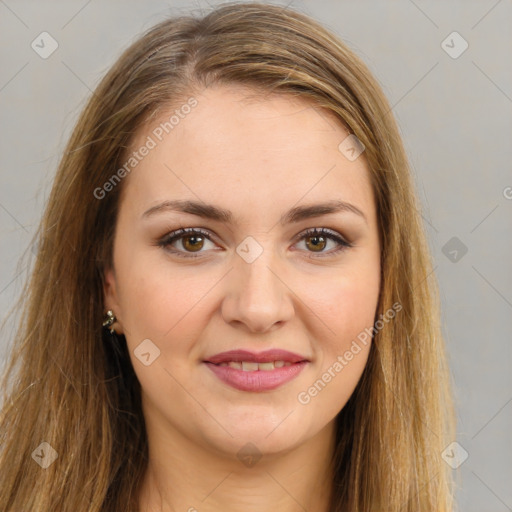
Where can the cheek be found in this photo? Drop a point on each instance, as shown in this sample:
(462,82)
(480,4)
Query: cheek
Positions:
(346,309)
(163,303)
(345,304)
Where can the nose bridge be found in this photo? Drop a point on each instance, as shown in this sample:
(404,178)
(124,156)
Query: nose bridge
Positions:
(258,279)
(257,298)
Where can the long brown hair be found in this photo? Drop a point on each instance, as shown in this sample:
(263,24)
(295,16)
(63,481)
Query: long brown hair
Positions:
(65,386)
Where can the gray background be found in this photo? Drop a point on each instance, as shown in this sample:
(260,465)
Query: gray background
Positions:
(455,117)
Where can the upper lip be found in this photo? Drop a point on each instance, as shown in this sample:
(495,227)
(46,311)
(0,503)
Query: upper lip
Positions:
(259,357)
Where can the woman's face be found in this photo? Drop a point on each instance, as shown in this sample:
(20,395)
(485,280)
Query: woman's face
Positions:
(249,173)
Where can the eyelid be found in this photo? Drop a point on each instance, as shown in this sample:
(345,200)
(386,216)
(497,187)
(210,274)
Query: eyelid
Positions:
(322,231)
(177,234)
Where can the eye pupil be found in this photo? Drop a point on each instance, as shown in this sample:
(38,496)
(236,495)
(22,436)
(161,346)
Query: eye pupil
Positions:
(317,245)
(195,239)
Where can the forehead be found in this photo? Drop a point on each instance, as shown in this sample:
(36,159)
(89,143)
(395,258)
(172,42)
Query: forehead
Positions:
(243,148)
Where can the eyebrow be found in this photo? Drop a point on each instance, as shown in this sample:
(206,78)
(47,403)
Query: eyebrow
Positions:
(294,215)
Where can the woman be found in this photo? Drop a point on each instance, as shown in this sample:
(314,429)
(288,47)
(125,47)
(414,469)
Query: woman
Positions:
(232,306)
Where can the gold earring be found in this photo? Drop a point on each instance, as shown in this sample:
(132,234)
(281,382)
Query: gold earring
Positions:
(110,318)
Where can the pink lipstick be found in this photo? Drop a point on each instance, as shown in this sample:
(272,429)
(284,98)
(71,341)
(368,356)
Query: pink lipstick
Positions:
(250,371)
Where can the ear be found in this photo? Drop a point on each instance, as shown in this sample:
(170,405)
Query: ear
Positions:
(110,296)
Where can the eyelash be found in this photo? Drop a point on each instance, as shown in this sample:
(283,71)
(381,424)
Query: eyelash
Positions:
(169,238)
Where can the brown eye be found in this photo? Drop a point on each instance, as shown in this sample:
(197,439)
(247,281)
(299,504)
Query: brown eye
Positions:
(316,243)
(188,242)
(193,242)
(317,240)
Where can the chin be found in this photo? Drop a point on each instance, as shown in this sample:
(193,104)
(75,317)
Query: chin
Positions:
(269,432)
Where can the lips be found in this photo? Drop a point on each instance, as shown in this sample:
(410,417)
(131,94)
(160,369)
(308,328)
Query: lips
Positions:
(252,366)
(268,356)
(256,372)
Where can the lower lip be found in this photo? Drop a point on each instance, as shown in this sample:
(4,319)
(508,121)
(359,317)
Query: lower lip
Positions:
(259,380)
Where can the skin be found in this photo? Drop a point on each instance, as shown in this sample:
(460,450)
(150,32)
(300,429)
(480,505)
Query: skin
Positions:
(257,158)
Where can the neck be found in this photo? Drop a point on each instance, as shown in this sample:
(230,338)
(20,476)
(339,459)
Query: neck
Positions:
(184,476)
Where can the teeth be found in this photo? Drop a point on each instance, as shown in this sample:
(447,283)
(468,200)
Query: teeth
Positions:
(249,366)
(252,366)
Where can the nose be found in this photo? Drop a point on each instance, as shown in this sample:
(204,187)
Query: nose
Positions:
(258,297)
